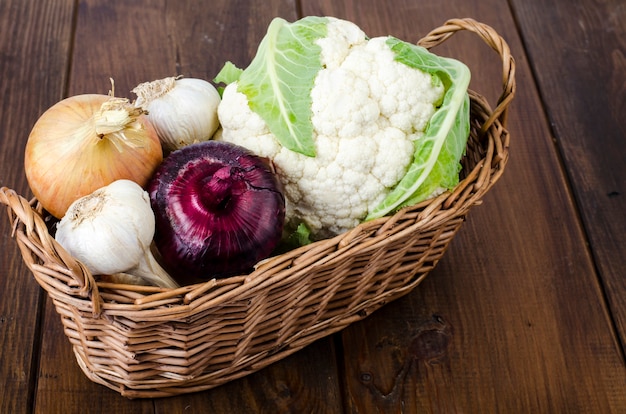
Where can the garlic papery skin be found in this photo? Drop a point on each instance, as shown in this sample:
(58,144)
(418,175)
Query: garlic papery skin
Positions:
(182,110)
(110,231)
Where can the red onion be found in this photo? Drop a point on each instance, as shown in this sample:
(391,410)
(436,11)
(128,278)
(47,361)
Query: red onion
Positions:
(219,210)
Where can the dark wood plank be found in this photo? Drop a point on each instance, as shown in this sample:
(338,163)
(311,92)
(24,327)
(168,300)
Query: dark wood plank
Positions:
(581,74)
(125,41)
(513,319)
(34,40)
(192,41)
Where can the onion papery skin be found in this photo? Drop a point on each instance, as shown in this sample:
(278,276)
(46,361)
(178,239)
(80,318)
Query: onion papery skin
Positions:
(66,159)
(219,210)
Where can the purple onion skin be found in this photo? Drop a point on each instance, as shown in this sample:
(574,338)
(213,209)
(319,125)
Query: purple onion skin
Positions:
(219,210)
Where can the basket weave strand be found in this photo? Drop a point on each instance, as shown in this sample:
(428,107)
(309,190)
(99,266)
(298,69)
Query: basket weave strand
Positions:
(153,342)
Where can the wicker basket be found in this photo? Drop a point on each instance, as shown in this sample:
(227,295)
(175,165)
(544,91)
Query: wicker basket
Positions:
(152,342)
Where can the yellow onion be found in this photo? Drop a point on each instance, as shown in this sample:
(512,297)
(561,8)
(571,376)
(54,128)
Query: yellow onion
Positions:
(86,142)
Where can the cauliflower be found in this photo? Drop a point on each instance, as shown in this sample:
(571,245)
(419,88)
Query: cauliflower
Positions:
(364,111)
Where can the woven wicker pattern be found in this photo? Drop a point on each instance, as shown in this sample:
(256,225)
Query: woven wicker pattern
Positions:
(150,342)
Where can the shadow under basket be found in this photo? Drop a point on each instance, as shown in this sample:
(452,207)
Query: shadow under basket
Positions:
(154,342)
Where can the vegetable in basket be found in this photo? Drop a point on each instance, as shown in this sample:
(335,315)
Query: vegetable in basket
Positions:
(85,142)
(219,210)
(110,231)
(356,127)
(182,110)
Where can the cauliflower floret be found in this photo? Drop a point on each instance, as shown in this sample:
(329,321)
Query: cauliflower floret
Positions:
(341,36)
(366,109)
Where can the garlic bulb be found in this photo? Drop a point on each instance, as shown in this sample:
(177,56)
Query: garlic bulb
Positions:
(110,231)
(182,110)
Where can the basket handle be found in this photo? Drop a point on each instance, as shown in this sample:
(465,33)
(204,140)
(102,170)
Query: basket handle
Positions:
(497,43)
(36,242)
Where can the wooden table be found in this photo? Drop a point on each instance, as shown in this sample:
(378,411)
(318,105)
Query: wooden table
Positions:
(531,293)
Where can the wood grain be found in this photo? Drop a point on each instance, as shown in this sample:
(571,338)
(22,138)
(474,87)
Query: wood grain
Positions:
(34,43)
(581,74)
(514,319)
